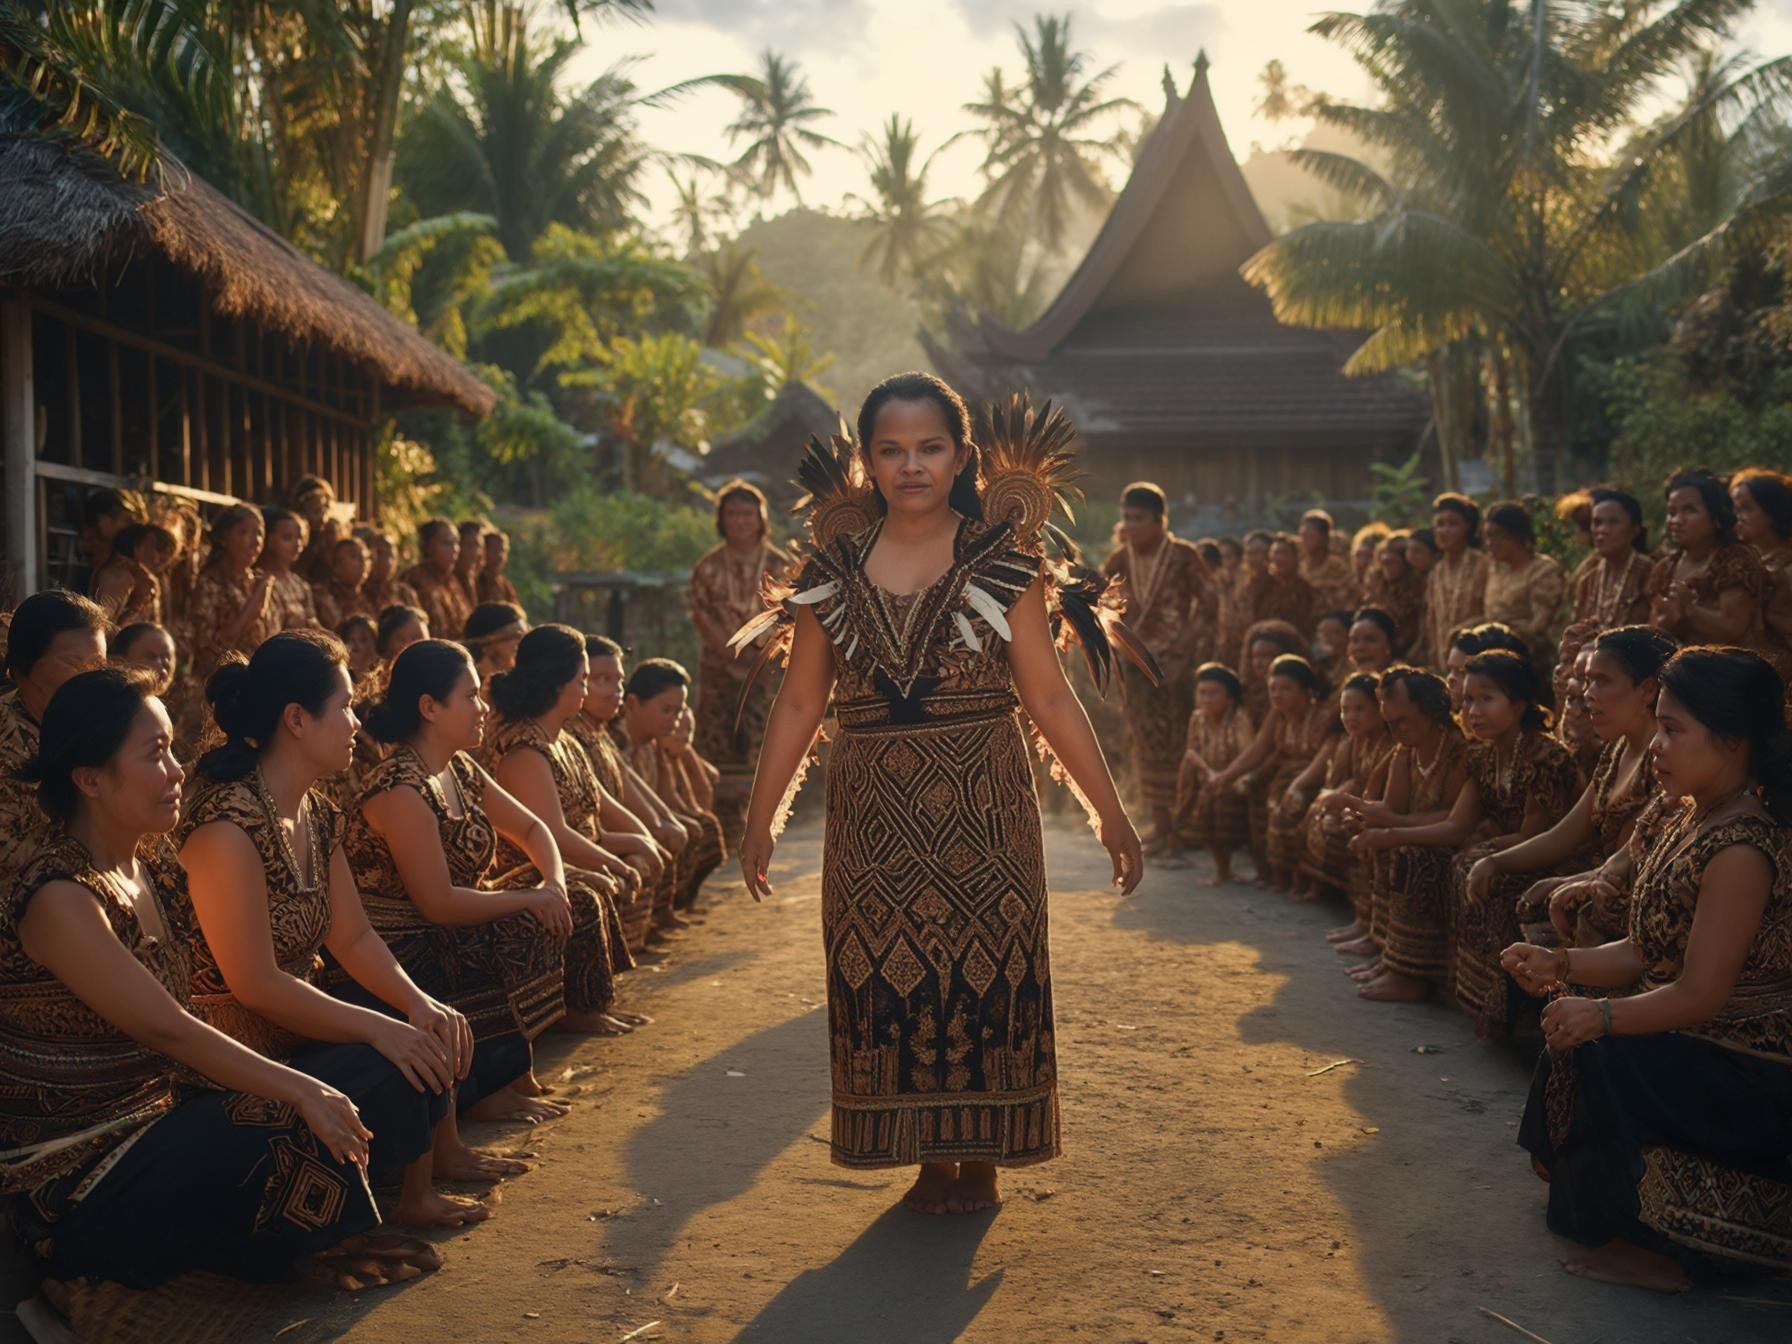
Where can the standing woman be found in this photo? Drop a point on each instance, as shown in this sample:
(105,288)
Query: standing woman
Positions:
(232,609)
(531,755)
(1524,590)
(292,604)
(1708,586)
(1395,587)
(128,587)
(1662,1116)
(725,593)
(1456,585)
(1611,586)
(927,626)
(422,843)
(272,890)
(1763,500)
(108,1174)
(1621,684)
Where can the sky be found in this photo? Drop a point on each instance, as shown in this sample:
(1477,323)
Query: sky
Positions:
(925,58)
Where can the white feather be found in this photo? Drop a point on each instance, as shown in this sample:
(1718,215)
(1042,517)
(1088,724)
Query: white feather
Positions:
(819,594)
(990,610)
(851,649)
(754,628)
(964,629)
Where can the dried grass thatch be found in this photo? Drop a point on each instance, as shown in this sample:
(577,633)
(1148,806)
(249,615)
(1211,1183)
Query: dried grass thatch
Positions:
(66,217)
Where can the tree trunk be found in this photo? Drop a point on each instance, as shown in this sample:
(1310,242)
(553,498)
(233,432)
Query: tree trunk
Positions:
(374,197)
(1500,418)
(1548,425)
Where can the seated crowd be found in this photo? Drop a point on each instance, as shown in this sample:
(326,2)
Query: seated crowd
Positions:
(1558,801)
(299,858)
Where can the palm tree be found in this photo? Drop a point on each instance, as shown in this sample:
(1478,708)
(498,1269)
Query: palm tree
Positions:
(696,210)
(1043,151)
(906,229)
(990,269)
(1498,229)
(739,292)
(776,112)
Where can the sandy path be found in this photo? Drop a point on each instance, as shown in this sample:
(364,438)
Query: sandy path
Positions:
(1213,1187)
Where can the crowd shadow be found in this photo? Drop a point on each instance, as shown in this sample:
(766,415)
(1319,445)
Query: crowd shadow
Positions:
(906,1276)
(1407,1062)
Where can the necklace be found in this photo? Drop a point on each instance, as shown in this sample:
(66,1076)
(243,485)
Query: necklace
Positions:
(1422,773)
(1691,825)
(308,875)
(1143,572)
(1607,615)
(1452,579)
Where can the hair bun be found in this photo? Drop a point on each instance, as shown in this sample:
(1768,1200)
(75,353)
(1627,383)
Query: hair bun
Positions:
(224,691)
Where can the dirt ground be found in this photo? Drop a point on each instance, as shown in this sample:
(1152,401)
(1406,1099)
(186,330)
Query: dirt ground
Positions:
(1219,1182)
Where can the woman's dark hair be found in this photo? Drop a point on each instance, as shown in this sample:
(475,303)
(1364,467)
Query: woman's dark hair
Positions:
(308,484)
(356,543)
(1452,502)
(1608,494)
(1715,492)
(1319,518)
(1362,682)
(133,535)
(272,515)
(102,504)
(1428,691)
(1233,545)
(119,646)
(1424,536)
(1343,618)
(736,491)
(1296,668)
(602,646)
(654,676)
(294,667)
(393,619)
(1466,639)
(1221,675)
(547,658)
(1772,492)
(1210,552)
(1380,620)
(431,667)
(225,521)
(1517,678)
(490,617)
(39,619)
(85,724)
(1738,696)
(356,621)
(1261,534)
(1489,636)
(1513,519)
(429,528)
(1641,650)
(1146,495)
(925,387)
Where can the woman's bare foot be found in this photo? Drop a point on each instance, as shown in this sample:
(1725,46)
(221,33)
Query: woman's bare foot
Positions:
(530,1086)
(506,1104)
(1349,933)
(1217,880)
(975,1189)
(1356,947)
(591,1024)
(1389,987)
(372,1260)
(932,1187)
(1366,970)
(461,1163)
(633,1019)
(1620,1261)
(431,1208)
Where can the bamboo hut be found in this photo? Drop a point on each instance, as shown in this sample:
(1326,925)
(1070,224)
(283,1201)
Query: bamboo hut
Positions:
(160,338)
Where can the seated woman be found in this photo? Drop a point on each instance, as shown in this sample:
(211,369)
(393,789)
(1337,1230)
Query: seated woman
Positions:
(128,587)
(1520,781)
(109,1173)
(1298,728)
(1763,502)
(1219,732)
(1707,587)
(360,635)
(655,731)
(532,757)
(1611,585)
(272,890)
(1662,1119)
(1524,589)
(421,843)
(627,804)
(1372,640)
(1409,882)
(493,632)
(1331,635)
(150,647)
(1620,698)
(1395,586)
(1356,767)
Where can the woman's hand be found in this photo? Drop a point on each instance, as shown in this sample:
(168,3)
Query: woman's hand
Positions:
(755,858)
(552,910)
(419,1055)
(1369,841)
(1480,880)
(1570,1021)
(333,1118)
(1536,969)
(1122,844)
(448,1027)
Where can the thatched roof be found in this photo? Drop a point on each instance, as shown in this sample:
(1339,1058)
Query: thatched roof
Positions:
(67,218)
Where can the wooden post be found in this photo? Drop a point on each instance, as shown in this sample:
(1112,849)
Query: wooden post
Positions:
(18,436)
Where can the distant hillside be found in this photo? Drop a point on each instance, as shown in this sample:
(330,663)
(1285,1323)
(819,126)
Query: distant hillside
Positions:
(1288,194)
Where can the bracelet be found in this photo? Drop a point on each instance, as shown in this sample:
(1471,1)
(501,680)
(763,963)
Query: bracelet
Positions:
(1605,1016)
(1567,967)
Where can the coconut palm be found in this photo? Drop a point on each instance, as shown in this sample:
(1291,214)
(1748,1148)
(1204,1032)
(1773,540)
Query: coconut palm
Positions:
(739,292)
(1045,139)
(775,121)
(907,231)
(1499,226)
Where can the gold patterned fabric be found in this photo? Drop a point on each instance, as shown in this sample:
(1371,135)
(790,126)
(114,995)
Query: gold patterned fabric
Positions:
(725,593)
(72,1085)
(391,593)
(1404,600)
(1280,832)
(598,949)
(1327,858)
(1619,798)
(1454,592)
(1410,884)
(1611,598)
(933,874)
(607,765)
(1216,818)
(127,592)
(443,601)
(1280,597)
(291,603)
(1732,566)
(496,588)
(219,596)
(707,846)
(506,974)
(1528,598)
(1333,581)
(1542,774)
(335,602)
(1776,610)
(298,911)
(24,828)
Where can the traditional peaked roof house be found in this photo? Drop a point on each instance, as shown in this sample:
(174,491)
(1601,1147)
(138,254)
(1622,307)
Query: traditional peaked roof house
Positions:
(1173,367)
(766,450)
(162,338)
